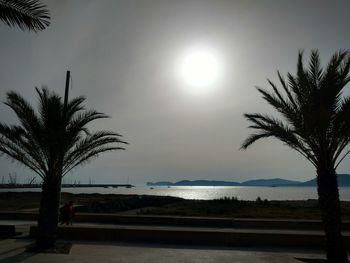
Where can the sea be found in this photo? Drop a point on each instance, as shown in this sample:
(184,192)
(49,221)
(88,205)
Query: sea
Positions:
(206,192)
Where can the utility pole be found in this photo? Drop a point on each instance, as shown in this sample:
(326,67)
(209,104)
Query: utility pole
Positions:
(65,103)
(66,91)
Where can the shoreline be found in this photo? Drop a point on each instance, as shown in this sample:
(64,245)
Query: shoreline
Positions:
(172,206)
(247,193)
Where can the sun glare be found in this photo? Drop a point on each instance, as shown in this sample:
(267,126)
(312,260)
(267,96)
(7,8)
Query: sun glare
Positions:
(200,69)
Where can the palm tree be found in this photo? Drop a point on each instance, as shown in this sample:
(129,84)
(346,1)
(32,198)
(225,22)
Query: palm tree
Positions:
(316,123)
(26,14)
(51,142)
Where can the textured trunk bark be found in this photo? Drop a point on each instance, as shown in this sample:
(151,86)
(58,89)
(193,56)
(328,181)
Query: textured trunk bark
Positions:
(49,211)
(328,198)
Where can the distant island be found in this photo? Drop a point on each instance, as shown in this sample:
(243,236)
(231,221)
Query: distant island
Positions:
(343,180)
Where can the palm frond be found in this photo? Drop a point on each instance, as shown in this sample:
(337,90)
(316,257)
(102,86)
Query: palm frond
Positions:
(29,120)
(82,119)
(271,127)
(89,147)
(74,106)
(315,70)
(78,123)
(253,138)
(14,144)
(283,105)
(341,129)
(303,78)
(288,91)
(26,14)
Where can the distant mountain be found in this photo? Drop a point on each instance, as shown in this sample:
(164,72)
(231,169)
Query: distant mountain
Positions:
(205,183)
(343,180)
(194,183)
(162,183)
(270,182)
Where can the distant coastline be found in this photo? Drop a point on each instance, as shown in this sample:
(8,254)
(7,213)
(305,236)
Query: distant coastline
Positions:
(12,186)
(343,180)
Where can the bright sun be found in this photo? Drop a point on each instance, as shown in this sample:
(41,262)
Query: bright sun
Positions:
(200,68)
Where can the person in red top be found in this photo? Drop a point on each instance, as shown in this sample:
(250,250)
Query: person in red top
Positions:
(67,213)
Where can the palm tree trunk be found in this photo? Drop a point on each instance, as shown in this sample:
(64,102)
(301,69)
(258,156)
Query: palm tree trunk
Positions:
(328,198)
(49,211)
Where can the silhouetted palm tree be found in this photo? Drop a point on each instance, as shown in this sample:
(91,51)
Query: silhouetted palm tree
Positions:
(26,14)
(316,123)
(51,142)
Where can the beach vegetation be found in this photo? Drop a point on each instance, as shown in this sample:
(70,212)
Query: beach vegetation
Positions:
(267,209)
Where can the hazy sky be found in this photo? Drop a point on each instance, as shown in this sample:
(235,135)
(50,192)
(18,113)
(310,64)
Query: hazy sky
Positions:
(123,57)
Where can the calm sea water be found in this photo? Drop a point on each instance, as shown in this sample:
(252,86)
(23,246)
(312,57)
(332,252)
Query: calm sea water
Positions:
(209,192)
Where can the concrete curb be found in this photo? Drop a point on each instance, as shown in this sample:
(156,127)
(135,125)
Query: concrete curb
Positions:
(195,236)
(183,221)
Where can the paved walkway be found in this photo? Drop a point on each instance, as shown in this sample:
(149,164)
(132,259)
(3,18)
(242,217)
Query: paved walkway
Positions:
(19,223)
(12,250)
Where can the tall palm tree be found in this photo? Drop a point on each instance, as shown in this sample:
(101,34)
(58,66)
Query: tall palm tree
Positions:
(51,142)
(26,14)
(316,123)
